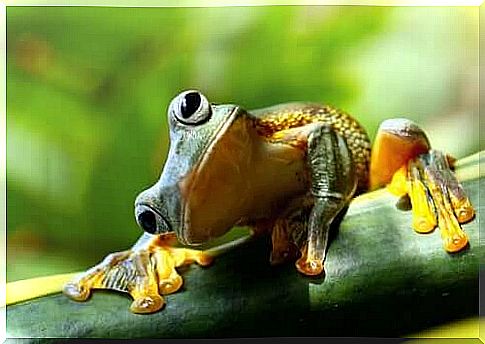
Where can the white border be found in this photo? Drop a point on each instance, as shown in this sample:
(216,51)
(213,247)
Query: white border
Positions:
(3,176)
(140,3)
(227,3)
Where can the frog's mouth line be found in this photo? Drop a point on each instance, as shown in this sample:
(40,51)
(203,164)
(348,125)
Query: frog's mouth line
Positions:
(203,159)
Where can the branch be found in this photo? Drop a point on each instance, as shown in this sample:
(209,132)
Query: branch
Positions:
(383,279)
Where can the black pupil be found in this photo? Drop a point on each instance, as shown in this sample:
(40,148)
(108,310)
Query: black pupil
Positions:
(190,104)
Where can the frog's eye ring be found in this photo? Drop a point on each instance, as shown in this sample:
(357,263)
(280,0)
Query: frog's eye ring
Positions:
(191,108)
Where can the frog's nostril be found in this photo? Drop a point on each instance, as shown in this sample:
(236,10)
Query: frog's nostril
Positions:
(148,221)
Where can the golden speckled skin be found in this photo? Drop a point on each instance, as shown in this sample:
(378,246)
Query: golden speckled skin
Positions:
(275,123)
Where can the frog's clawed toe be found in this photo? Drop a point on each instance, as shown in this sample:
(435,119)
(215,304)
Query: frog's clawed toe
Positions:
(146,274)
(76,292)
(147,304)
(437,198)
(309,267)
(170,286)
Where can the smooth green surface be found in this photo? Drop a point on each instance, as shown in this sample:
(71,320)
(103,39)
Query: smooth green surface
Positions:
(382,280)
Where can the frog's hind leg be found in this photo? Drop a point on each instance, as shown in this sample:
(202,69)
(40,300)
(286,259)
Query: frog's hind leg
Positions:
(333,183)
(402,158)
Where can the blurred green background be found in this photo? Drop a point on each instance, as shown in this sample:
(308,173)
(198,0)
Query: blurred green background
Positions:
(88,88)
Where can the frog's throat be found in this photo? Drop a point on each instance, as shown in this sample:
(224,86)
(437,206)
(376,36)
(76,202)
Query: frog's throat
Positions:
(223,127)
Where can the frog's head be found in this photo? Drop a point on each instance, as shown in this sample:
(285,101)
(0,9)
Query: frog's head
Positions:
(200,193)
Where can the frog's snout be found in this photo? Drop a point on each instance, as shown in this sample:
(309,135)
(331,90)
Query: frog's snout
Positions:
(150,220)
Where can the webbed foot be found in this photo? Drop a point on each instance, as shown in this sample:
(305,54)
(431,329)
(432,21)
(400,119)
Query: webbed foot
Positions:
(146,272)
(437,198)
(403,160)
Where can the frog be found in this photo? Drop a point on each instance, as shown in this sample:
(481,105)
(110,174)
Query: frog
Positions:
(287,171)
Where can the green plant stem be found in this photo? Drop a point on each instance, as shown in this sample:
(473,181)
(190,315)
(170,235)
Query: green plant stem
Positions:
(382,279)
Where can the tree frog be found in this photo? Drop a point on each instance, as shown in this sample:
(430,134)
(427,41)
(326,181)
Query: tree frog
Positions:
(286,170)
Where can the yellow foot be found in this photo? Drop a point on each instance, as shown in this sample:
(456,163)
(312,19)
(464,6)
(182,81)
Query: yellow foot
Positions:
(146,272)
(437,198)
(308,266)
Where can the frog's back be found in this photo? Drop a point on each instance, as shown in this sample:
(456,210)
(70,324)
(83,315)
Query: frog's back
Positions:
(276,119)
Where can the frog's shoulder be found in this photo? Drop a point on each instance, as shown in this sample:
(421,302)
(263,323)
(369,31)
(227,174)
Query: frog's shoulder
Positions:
(287,108)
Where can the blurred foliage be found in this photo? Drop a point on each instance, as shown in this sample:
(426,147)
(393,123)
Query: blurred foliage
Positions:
(88,88)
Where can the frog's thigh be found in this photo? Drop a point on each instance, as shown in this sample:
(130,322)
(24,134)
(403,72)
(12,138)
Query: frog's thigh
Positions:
(402,156)
(332,184)
(397,141)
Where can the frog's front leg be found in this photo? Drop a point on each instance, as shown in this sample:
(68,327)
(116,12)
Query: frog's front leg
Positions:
(146,271)
(333,183)
(402,158)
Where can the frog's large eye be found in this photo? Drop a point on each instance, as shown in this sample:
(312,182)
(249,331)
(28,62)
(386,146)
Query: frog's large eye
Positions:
(191,108)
